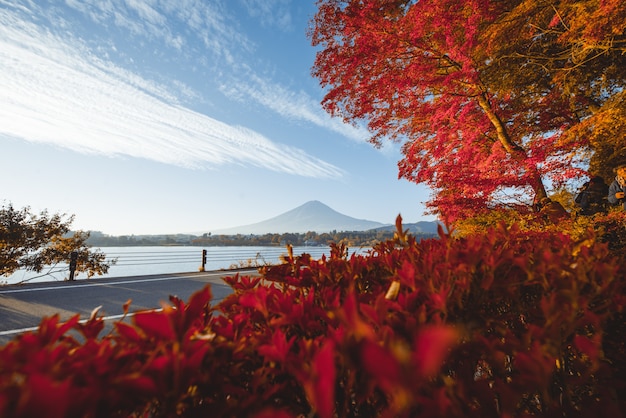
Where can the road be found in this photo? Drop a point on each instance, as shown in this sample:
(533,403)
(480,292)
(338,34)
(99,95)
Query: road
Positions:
(23,306)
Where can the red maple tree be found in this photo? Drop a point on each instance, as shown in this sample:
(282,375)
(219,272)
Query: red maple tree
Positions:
(479,122)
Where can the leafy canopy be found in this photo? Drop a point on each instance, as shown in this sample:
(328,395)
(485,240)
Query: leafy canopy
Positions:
(485,96)
(33,242)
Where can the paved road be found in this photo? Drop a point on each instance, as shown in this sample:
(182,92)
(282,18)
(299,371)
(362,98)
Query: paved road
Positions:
(23,306)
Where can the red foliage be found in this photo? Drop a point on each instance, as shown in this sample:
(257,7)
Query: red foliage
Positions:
(505,323)
(476,113)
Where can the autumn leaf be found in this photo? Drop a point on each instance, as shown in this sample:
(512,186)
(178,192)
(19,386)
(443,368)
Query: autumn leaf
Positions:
(350,314)
(278,348)
(321,387)
(197,303)
(91,328)
(407,274)
(380,363)
(392,292)
(432,347)
(44,397)
(155,324)
(128,332)
(255,299)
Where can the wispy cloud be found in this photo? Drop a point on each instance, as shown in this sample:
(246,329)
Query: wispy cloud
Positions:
(176,23)
(53,90)
(217,31)
(271,13)
(295,105)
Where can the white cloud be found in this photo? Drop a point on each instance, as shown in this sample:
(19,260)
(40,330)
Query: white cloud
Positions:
(270,12)
(206,21)
(287,103)
(53,91)
(146,12)
(226,53)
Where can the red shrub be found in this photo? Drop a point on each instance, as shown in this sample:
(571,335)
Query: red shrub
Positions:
(504,323)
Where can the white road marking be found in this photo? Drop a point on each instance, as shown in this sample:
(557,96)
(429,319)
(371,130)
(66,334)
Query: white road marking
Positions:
(82,321)
(110,317)
(36,289)
(17,331)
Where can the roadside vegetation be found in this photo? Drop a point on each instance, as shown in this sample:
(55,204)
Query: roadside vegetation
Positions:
(41,242)
(505,322)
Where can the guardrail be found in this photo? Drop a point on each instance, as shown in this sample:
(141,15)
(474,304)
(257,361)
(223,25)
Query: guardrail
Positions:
(133,261)
(148,260)
(204,256)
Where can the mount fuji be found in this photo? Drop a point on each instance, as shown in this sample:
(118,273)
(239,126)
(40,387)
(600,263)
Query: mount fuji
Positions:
(312,216)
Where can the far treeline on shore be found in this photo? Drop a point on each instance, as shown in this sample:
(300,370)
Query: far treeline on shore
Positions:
(350,238)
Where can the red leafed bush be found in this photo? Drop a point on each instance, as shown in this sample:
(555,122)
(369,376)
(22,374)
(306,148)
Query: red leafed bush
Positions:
(505,323)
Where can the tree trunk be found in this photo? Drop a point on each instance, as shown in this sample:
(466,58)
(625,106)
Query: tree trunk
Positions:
(511,147)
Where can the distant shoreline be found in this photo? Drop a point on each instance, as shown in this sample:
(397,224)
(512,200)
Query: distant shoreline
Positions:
(311,239)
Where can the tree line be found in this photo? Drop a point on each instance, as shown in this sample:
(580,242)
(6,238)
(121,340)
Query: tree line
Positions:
(311,238)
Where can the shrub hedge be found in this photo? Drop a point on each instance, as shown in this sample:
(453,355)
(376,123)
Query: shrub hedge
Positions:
(501,323)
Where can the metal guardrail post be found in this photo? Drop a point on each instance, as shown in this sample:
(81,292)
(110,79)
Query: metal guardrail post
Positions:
(73,260)
(203,261)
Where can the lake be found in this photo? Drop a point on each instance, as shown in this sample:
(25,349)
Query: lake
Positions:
(134,261)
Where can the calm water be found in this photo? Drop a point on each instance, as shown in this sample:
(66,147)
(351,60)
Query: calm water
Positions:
(157,260)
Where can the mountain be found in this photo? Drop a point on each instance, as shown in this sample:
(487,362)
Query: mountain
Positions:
(311,216)
(421,227)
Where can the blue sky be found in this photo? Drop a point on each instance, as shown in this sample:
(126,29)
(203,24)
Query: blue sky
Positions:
(168,116)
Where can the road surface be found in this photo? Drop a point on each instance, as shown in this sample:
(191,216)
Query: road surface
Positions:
(23,306)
